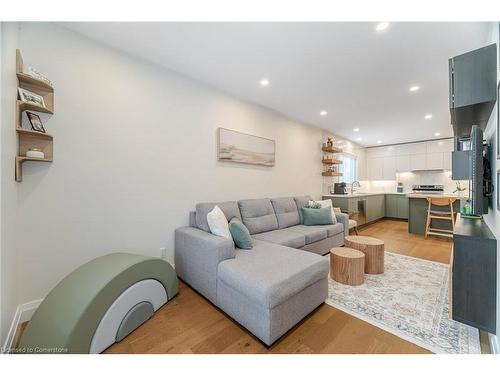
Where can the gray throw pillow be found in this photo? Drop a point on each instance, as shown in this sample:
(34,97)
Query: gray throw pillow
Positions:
(317,216)
(240,233)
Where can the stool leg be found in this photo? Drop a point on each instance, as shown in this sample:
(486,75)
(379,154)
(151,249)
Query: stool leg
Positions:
(356,231)
(427,224)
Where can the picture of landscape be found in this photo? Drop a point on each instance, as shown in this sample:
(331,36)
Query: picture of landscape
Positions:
(245,148)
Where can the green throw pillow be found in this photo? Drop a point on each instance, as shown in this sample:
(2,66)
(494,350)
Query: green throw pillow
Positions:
(317,216)
(240,233)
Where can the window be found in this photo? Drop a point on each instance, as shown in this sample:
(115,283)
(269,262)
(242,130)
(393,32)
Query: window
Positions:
(349,168)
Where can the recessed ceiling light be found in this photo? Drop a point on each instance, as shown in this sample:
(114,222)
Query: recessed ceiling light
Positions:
(264,82)
(379,142)
(414,88)
(355,130)
(382,26)
(428,117)
(358,139)
(437,134)
(323,113)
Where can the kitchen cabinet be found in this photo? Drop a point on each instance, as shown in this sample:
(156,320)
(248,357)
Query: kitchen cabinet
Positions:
(435,160)
(418,162)
(389,168)
(375,168)
(403,163)
(396,206)
(375,207)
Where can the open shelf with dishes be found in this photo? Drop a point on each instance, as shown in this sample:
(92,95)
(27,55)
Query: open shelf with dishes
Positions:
(32,145)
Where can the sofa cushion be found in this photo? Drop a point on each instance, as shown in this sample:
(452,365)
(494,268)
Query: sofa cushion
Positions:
(302,202)
(332,230)
(230,210)
(271,274)
(286,212)
(312,233)
(317,216)
(283,237)
(258,215)
(240,234)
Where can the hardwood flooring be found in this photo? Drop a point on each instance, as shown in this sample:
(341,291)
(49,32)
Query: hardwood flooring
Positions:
(191,324)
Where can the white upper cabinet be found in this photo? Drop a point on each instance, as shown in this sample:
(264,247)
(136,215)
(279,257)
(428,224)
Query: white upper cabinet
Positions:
(403,163)
(435,160)
(382,163)
(389,168)
(375,166)
(418,162)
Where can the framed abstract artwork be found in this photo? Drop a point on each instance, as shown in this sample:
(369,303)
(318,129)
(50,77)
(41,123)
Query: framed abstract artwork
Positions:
(245,148)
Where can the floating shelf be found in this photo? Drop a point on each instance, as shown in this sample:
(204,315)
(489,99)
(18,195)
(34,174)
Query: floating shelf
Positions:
(331,174)
(19,162)
(30,139)
(24,106)
(33,133)
(331,149)
(29,83)
(331,161)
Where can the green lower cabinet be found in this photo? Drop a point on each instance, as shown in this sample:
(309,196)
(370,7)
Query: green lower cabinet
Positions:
(375,207)
(396,206)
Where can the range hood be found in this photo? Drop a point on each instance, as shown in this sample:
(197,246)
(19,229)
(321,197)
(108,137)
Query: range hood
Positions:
(472,89)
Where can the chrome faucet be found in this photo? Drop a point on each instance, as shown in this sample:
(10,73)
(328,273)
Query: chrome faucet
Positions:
(352,186)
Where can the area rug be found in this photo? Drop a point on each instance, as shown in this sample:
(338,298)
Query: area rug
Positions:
(409,300)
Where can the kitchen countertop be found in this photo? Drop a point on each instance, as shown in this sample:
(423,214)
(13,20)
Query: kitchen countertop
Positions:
(409,195)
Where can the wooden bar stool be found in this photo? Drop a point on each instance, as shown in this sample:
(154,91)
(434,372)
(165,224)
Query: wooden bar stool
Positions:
(441,215)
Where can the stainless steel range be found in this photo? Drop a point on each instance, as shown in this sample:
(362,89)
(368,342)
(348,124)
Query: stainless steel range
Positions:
(428,189)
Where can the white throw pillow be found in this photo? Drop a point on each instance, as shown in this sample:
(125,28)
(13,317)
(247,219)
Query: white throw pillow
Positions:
(326,203)
(218,224)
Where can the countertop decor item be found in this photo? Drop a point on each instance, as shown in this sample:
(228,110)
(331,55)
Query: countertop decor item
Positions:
(35,153)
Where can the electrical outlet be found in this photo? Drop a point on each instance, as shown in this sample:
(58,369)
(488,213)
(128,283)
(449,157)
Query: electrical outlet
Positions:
(163,252)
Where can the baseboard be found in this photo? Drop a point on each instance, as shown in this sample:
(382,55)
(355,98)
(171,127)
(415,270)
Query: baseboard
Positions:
(24,312)
(494,343)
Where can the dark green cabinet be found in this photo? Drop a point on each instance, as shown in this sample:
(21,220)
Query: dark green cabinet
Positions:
(396,206)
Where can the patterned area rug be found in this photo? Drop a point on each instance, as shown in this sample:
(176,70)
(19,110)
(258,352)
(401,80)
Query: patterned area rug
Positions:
(409,300)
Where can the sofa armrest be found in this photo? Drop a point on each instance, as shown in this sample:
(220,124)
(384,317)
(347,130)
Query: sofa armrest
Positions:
(344,219)
(197,257)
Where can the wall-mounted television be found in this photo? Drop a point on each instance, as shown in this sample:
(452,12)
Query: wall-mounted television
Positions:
(480,172)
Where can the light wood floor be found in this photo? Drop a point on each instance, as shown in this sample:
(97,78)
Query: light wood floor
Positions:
(191,324)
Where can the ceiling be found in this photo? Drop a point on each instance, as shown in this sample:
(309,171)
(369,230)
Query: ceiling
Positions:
(360,76)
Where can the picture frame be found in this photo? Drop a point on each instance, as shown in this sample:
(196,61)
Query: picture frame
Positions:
(36,122)
(238,147)
(30,97)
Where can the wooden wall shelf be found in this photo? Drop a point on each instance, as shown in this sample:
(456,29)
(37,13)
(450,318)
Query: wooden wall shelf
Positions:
(331,174)
(331,149)
(27,138)
(331,161)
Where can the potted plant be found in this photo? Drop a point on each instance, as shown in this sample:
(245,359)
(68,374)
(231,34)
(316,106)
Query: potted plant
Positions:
(459,189)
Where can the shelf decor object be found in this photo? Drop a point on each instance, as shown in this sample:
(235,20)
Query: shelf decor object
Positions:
(31,139)
(329,160)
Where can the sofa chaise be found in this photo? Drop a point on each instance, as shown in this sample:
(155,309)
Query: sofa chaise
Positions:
(271,287)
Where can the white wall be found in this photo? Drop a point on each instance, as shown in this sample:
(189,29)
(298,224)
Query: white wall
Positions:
(8,80)
(134,150)
(493,216)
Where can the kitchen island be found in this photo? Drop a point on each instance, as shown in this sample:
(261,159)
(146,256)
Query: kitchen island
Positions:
(417,212)
(370,207)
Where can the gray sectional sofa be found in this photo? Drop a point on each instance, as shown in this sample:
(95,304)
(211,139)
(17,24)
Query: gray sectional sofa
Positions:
(271,287)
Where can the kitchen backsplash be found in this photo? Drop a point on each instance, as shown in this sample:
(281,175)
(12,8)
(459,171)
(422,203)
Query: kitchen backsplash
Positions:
(409,179)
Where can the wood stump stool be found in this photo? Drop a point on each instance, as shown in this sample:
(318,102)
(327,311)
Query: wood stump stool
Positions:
(347,266)
(373,248)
